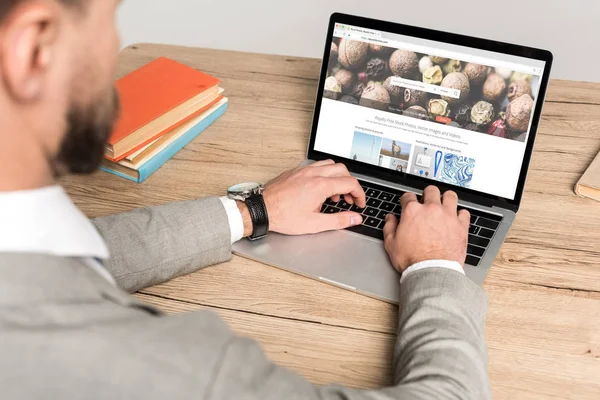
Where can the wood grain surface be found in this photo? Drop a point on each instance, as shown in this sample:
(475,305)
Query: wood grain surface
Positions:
(543,328)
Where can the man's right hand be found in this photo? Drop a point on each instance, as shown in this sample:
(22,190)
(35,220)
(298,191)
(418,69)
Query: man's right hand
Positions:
(429,231)
(294,200)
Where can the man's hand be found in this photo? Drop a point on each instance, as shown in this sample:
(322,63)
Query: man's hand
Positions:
(429,231)
(294,200)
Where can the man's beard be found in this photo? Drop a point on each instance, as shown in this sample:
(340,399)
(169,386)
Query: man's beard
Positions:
(88,130)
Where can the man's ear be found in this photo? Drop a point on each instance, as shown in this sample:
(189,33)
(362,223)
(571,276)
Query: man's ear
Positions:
(27,43)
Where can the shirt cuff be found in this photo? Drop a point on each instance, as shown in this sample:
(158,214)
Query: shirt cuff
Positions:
(453,265)
(234,216)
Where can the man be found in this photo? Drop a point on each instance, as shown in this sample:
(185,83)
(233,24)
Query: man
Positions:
(396,150)
(67,328)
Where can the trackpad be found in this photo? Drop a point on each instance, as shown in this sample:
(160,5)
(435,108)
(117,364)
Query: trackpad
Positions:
(342,258)
(350,261)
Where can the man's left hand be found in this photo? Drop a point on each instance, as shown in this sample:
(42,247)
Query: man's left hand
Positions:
(294,200)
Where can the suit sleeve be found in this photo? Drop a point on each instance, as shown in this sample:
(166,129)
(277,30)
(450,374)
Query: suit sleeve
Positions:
(440,351)
(149,246)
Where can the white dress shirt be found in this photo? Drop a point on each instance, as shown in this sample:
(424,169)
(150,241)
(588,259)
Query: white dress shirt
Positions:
(236,223)
(46,221)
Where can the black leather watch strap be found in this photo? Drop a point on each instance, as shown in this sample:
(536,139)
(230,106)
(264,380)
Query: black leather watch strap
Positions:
(258,213)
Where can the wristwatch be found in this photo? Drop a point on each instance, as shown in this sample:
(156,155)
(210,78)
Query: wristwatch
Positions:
(251,193)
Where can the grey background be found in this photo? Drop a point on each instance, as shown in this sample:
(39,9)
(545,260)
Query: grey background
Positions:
(570,29)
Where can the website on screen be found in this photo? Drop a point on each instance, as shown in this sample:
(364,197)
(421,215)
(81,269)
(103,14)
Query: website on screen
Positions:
(441,112)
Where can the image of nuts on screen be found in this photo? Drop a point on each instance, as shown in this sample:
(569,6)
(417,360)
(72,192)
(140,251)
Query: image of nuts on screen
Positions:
(480,98)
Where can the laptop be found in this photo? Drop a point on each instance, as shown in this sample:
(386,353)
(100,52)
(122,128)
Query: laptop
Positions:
(403,108)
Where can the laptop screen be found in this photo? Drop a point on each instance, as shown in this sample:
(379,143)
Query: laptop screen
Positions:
(448,113)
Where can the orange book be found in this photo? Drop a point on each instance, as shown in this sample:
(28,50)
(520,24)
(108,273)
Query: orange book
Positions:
(155,99)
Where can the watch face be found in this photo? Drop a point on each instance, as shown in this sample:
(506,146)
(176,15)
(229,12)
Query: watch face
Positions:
(244,188)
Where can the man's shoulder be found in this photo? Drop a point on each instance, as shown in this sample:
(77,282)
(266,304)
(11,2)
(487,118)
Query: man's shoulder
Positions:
(60,319)
(108,351)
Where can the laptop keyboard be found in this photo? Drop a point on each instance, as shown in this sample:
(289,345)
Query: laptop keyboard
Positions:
(382,201)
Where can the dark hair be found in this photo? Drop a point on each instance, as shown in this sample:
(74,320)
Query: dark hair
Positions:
(7,5)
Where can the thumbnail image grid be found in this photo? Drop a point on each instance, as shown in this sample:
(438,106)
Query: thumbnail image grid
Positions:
(394,155)
(442,166)
(365,148)
(396,149)
(383,152)
(493,101)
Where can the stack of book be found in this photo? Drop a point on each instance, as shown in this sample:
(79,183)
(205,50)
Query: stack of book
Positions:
(164,106)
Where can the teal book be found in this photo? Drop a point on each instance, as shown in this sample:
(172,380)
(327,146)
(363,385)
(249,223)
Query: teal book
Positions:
(151,166)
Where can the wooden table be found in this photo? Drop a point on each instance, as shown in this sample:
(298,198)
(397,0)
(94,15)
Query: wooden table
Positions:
(543,328)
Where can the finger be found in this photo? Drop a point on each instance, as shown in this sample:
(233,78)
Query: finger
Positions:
(407,198)
(330,222)
(464,217)
(390,227)
(431,195)
(348,199)
(330,170)
(321,163)
(346,185)
(335,198)
(450,201)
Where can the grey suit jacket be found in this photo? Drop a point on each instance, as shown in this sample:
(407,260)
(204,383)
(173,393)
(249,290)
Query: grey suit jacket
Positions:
(67,333)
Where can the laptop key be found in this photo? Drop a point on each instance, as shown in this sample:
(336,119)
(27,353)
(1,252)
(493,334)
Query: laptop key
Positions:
(323,207)
(382,214)
(473,218)
(475,251)
(479,241)
(386,196)
(343,205)
(488,233)
(371,221)
(357,209)
(474,230)
(397,210)
(396,199)
(331,210)
(370,212)
(373,202)
(487,223)
(386,206)
(472,260)
(372,193)
(330,202)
